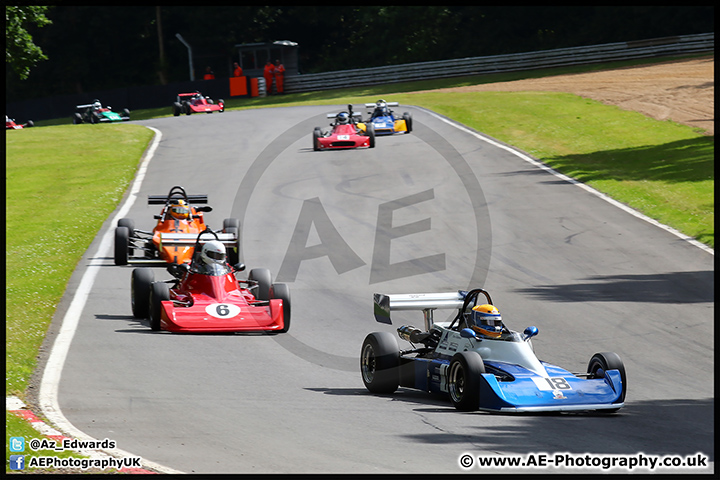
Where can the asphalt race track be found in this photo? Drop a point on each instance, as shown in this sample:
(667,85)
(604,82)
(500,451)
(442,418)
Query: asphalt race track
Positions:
(437,210)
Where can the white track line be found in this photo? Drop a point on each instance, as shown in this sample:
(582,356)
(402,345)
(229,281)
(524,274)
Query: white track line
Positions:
(53,368)
(573,181)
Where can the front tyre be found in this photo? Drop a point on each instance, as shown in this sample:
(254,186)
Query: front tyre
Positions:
(370,132)
(604,361)
(380,362)
(464,375)
(122,245)
(282,291)
(317,133)
(159,291)
(408,122)
(263,277)
(140,283)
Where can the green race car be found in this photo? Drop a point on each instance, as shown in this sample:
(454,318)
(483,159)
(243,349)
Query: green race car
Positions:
(95,113)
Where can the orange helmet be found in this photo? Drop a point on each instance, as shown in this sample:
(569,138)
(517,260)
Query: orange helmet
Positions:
(487,320)
(180,210)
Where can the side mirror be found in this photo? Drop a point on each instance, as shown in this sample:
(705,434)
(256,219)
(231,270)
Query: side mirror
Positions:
(529,333)
(238,267)
(206,208)
(178,271)
(467,333)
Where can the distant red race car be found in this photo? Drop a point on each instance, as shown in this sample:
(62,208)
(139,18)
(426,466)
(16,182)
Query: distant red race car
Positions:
(344,133)
(189,103)
(206,297)
(11,125)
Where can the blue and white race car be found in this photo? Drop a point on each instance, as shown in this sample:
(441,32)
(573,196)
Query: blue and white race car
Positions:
(385,121)
(479,362)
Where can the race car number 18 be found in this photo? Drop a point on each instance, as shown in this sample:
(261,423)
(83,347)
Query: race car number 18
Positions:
(222,310)
(552,383)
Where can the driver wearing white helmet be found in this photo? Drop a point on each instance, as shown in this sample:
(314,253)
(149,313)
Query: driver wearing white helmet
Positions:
(212,259)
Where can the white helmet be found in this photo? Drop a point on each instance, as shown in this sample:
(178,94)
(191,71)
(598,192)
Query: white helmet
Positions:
(213,253)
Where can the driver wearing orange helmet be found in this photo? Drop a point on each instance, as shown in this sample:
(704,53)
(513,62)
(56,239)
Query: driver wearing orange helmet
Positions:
(488,321)
(180,210)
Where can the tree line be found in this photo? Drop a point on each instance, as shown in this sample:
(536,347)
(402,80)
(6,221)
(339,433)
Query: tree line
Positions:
(90,48)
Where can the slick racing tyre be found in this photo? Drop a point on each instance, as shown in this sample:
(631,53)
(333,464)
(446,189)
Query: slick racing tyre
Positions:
(122,245)
(159,291)
(464,380)
(282,291)
(140,282)
(604,361)
(317,133)
(264,279)
(380,362)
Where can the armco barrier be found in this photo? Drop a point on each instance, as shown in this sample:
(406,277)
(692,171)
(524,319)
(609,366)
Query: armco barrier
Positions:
(159,96)
(682,45)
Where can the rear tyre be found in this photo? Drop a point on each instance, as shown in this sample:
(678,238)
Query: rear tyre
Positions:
(140,282)
(122,245)
(282,291)
(464,380)
(77,119)
(604,361)
(264,279)
(159,291)
(177,109)
(379,362)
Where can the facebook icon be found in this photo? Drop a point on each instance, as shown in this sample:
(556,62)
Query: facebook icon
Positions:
(17,462)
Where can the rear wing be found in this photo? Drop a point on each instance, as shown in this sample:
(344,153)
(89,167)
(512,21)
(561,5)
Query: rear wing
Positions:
(389,104)
(354,114)
(189,239)
(84,106)
(162,199)
(425,302)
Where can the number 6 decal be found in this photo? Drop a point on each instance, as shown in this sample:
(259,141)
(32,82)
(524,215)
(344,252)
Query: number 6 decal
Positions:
(222,310)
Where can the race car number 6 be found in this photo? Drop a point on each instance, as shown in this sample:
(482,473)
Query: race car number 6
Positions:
(222,310)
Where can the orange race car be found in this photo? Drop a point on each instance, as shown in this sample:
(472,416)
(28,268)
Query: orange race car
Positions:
(173,238)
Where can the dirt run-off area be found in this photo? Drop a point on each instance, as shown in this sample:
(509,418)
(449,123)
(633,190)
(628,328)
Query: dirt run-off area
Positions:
(682,91)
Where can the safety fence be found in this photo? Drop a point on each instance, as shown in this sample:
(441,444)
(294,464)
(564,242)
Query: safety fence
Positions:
(659,47)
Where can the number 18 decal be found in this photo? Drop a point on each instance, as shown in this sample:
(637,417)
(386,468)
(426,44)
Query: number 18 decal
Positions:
(552,383)
(222,310)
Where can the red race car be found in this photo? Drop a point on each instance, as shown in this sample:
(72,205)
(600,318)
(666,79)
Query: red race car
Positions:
(206,297)
(11,125)
(345,133)
(173,238)
(189,103)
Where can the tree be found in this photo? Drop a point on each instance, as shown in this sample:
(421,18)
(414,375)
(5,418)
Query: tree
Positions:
(20,51)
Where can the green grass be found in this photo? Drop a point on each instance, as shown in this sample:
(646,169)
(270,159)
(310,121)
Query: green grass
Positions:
(63,181)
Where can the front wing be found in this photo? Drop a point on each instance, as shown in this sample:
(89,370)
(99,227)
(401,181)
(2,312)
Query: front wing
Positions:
(211,317)
(527,392)
(388,126)
(343,141)
(211,107)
